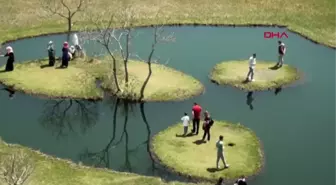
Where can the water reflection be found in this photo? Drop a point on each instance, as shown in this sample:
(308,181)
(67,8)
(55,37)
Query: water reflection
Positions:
(11,92)
(60,115)
(277,90)
(250,99)
(102,158)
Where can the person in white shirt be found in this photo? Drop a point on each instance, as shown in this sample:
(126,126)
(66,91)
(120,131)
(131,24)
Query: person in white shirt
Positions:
(241,181)
(185,121)
(252,64)
(220,153)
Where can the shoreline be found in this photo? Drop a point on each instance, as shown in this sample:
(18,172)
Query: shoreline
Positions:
(185,24)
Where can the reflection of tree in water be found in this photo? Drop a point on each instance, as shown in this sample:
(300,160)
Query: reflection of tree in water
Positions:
(102,157)
(59,115)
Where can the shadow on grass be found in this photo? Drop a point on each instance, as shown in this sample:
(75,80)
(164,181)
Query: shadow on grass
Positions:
(187,135)
(4,71)
(274,67)
(45,65)
(199,142)
(213,170)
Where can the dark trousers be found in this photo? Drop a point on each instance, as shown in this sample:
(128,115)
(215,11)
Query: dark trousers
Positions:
(65,62)
(51,60)
(206,132)
(250,73)
(9,66)
(196,123)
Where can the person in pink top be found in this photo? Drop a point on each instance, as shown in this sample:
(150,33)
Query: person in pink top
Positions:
(196,111)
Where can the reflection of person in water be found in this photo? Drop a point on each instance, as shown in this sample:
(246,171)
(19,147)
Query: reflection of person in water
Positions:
(277,90)
(10,91)
(249,99)
(10,60)
(51,53)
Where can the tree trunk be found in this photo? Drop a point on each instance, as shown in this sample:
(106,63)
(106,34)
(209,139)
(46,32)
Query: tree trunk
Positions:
(115,73)
(142,91)
(126,57)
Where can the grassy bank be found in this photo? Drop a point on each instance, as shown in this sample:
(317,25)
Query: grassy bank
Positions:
(312,18)
(234,73)
(189,157)
(54,171)
(79,80)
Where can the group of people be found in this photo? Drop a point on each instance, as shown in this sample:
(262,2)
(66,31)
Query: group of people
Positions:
(253,62)
(68,53)
(206,126)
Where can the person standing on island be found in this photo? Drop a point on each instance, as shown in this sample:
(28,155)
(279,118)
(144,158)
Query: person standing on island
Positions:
(220,153)
(10,60)
(51,53)
(196,111)
(185,119)
(208,122)
(241,181)
(252,64)
(65,55)
(282,52)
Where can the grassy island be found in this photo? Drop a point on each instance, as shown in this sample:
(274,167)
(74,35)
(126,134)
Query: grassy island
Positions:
(190,157)
(49,170)
(79,80)
(234,73)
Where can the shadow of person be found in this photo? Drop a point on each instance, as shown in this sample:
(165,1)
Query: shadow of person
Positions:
(187,135)
(213,170)
(45,65)
(277,90)
(199,142)
(4,71)
(250,99)
(274,67)
(59,115)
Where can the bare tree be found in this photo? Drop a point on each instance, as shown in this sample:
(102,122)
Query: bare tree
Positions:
(158,37)
(16,168)
(66,9)
(117,42)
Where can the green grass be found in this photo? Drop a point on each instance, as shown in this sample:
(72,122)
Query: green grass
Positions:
(312,18)
(234,73)
(181,155)
(78,80)
(165,84)
(54,171)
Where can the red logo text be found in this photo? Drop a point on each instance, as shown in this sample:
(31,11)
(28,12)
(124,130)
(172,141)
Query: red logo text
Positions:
(271,35)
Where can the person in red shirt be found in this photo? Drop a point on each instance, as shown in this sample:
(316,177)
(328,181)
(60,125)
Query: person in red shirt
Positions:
(196,111)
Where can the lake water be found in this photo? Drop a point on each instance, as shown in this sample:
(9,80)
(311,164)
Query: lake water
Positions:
(296,126)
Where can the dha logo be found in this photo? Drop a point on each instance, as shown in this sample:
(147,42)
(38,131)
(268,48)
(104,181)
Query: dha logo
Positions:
(271,35)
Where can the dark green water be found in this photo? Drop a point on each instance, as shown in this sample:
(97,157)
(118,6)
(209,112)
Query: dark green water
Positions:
(297,126)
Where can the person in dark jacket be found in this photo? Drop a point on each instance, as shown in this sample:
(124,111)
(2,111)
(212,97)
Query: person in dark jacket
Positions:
(282,52)
(220,181)
(65,55)
(10,60)
(51,53)
(207,125)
